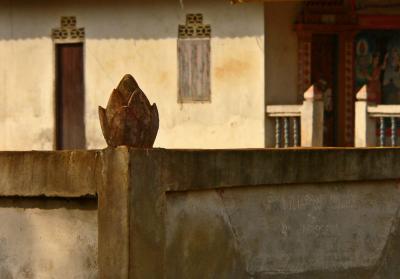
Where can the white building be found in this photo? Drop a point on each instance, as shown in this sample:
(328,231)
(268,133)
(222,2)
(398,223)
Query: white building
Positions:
(248,55)
(119,37)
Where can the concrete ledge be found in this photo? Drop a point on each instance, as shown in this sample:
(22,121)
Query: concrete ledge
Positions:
(68,174)
(78,173)
(184,170)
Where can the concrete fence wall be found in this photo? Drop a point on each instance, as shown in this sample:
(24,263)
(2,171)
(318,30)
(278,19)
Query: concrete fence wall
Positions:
(296,213)
(48,214)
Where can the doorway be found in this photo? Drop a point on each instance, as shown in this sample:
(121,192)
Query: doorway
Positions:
(324,75)
(70,127)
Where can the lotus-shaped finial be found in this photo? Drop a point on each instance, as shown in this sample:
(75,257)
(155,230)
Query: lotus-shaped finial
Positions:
(129,119)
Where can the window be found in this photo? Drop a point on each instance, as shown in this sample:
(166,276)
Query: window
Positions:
(194,60)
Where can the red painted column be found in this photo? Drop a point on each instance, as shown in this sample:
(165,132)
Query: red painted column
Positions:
(304,63)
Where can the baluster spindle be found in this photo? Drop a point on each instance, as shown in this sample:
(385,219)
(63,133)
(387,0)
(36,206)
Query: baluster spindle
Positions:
(295,131)
(277,132)
(286,131)
(382,131)
(393,130)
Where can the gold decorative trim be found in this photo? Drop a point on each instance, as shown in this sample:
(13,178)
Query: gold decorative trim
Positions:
(349,90)
(304,65)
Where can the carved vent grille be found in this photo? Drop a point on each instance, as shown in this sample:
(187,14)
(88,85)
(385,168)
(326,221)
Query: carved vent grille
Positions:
(194,28)
(68,32)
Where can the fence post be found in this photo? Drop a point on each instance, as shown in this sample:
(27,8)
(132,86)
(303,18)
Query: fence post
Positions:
(364,135)
(312,119)
(131,214)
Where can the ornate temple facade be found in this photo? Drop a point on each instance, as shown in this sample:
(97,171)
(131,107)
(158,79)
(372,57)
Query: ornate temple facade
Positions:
(341,46)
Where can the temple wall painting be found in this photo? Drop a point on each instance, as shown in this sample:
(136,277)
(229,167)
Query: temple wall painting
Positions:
(378,64)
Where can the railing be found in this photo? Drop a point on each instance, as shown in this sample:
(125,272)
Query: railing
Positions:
(375,125)
(288,118)
(306,118)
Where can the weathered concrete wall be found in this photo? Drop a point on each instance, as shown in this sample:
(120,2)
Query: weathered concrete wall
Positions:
(48,238)
(251,214)
(301,213)
(48,214)
(137,37)
(341,230)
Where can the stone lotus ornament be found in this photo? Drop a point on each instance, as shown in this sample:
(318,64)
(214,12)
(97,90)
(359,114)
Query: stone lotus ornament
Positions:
(129,119)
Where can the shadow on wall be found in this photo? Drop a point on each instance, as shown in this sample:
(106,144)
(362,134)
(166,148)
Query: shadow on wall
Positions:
(124,19)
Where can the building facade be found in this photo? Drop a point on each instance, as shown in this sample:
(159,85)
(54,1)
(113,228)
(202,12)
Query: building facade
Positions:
(39,64)
(210,66)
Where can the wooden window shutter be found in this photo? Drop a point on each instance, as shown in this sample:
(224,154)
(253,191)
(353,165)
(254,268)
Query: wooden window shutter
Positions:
(194,60)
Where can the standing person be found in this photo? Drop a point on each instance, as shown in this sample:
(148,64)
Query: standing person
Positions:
(374,86)
(391,83)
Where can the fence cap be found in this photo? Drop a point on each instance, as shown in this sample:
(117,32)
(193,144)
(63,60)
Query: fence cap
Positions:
(362,94)
(312,93)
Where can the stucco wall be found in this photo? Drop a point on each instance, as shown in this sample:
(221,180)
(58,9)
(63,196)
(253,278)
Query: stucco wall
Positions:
(42,238)
(137,37)
(281,52)
(280,59)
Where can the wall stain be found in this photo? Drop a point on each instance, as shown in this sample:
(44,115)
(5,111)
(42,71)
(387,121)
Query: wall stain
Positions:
(231,68)
(26,272)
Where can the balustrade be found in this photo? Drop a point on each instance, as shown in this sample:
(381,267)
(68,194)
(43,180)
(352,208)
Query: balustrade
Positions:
(376,125)
(299,125)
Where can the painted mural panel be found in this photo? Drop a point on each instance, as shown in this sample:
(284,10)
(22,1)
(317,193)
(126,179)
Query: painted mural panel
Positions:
(378,65)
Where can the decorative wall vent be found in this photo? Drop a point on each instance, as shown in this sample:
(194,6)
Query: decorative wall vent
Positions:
(68,32)
(194,28)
